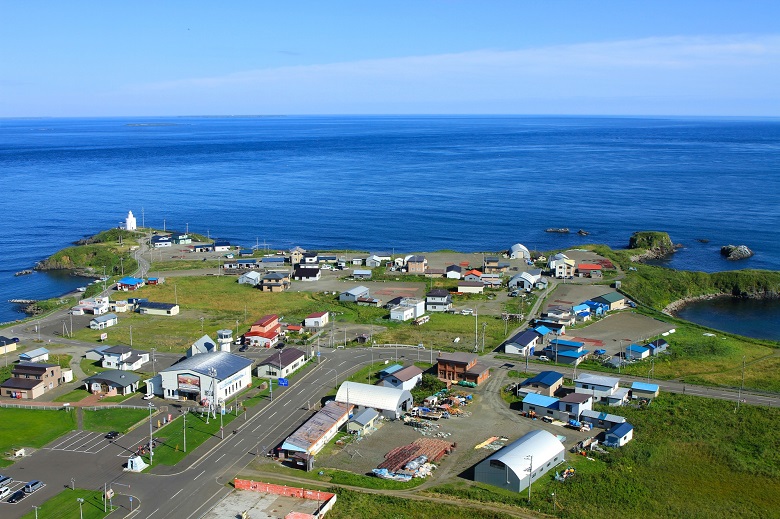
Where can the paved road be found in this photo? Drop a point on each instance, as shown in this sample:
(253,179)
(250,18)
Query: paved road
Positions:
(193,488)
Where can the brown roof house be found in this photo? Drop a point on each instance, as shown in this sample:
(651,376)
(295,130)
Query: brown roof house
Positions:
(461,367)
(31,379)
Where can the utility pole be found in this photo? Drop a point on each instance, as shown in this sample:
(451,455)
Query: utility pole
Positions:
(484,325)
(742,384)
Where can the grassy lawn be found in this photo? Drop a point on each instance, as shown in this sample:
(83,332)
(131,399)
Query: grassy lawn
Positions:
(73,396)
(221,302)
(104,420)
(91,367)
(65,505)
(691,457)
(32,428)
(353,504)
(171,449)
(712,360)
(339,477)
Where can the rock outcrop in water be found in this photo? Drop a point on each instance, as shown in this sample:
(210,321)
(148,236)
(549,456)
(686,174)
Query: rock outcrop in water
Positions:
(736,252)
(656,244)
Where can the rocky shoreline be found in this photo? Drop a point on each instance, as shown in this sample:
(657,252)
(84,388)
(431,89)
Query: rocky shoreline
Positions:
(675,306)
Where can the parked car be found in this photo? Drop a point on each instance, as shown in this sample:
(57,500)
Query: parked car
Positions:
(17,496)
(32,486)
(113,435)
(4,492)
(148,396)
(4,480)
(544,358)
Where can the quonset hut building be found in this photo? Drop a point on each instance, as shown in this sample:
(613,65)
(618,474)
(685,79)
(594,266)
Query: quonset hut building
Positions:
(508,468)
(391,403)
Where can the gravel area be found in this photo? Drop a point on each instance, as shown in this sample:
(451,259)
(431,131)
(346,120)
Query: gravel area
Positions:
(488,415)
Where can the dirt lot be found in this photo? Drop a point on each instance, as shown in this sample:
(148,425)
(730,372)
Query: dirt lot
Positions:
(488,416)
(569,294)
(617,330)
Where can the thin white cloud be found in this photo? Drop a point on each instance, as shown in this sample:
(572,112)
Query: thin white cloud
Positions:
(662,75)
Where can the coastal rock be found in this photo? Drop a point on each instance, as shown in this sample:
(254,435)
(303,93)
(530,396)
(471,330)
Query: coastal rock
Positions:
(656,244)
(736,252)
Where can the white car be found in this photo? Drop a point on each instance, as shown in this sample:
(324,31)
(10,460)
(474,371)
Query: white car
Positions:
(148,397)
(4,492)
(544,358)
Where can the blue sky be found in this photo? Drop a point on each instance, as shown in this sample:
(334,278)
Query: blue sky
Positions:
(146,58)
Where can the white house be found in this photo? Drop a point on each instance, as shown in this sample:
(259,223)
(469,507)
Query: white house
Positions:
(453,272)
(438,300)
(597,386)
(250,278)
(156,308)
(306,273)
(36,355)
(353,294)
(471,287)
(401,313)
(573,405)
(525,280)
(561,265)
(124,358)
(522,343)
(281,364)
(103,321)
(600,419)
(405,378)
(316,320)
(619,435)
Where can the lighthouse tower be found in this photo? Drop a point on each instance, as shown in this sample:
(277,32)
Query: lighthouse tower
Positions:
(130,224)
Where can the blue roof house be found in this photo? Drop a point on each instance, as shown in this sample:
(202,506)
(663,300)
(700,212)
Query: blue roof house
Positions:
(546,382)
(522,343)
(619,435)
(540,404)
(644,390)
(657,346)
(635,351)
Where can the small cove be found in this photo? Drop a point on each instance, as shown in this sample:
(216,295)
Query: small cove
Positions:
(758,318)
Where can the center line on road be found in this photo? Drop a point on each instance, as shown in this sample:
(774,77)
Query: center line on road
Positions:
(199,475)
(273,414)
(148,516)
(177,493)
(219,458)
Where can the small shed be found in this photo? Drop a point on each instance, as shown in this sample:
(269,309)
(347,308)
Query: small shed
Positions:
(103,321)
(36,355)
(363,423)
(361,274)
(602,420)
(635,351)
(644,390)
(619,435)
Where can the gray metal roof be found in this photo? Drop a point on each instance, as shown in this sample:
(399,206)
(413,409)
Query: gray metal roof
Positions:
(225,363)
(115,376)
(316,427)
(283,358)
(105,318)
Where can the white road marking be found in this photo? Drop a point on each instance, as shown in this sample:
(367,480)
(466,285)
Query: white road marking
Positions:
(199,475)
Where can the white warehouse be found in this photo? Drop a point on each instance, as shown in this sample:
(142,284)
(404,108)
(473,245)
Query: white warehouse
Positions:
(390,402)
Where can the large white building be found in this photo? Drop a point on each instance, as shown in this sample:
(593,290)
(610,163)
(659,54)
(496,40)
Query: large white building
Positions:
(206,377)
(390,402)
(521,462)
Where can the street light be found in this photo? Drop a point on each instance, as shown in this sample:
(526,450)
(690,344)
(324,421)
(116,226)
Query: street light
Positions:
(151,453)
(81,502)
(213,375)
(530,459)
(154,370)
(36,510)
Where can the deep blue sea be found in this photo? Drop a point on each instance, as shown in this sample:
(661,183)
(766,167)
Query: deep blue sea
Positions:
(409,183)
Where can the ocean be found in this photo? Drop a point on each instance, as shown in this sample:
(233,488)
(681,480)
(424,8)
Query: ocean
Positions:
(403,183)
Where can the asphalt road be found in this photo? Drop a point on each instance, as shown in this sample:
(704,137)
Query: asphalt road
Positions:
(90,461)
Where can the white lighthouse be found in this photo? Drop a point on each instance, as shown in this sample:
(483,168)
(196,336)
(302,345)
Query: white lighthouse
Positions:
(130,224)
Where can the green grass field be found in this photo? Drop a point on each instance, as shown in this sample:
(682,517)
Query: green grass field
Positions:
(32,428)
(691,457)
(119,419)
(65,506)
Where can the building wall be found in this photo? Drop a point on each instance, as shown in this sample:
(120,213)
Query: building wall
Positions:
(504,477)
